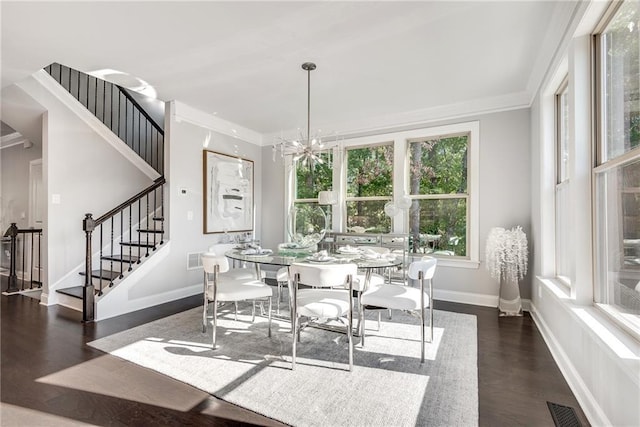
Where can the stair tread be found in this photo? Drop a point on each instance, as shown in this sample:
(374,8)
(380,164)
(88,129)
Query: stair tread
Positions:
(75,291)
(159,218)
(119,257)
(138,243)
(106,274)
(146,230)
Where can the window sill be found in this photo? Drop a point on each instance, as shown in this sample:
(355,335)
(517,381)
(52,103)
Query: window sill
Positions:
(446,262)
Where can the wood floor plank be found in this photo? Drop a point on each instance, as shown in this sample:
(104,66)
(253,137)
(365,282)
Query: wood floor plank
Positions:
(49,373)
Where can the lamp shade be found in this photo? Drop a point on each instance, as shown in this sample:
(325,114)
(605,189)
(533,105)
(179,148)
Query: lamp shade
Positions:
(327,198)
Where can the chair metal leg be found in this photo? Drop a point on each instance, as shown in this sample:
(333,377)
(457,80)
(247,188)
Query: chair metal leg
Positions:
(350,339)
(253,311)
(269,317)
(215,319)
(431,321)
(279,296)
(362,328)
(422,335)
(204,315)
(293,303)
(350,325)
(294,326)
(389,314)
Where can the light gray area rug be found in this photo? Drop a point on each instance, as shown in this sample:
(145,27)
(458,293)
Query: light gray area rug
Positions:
(387,387)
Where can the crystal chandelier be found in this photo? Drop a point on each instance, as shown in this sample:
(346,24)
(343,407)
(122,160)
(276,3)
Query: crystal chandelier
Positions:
(307,148)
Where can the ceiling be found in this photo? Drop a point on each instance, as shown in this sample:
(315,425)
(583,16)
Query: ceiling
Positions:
(378,62)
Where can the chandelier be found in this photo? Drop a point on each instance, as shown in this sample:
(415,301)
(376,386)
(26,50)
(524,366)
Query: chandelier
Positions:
(307,148)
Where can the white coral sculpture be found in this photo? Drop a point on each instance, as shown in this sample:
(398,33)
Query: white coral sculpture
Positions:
(507,254)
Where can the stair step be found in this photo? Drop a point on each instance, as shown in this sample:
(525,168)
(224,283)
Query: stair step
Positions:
(150,231)
(106,274)
(75,291)
(158,218)
(120,257)
(142,244)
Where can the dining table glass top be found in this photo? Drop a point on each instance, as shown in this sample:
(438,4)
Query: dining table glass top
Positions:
(288,258)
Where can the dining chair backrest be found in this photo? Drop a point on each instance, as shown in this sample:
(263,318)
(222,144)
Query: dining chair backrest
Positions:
(210,260)
(427,265)
(221,248)
(323,275)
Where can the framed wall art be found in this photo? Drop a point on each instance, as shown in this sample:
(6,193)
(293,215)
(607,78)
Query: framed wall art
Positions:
(228,193)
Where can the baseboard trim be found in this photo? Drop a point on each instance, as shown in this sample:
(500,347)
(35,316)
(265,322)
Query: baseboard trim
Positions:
(587,402)
(466,297)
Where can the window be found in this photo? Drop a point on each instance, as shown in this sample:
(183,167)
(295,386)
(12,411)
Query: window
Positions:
(564,252)
(369,188)
(438,186)
(617,175)
(309,181)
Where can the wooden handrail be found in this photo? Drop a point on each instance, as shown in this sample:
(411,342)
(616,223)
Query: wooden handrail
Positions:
(140,108)
(157,183)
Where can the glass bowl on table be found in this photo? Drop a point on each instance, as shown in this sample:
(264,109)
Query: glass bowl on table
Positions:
(307,226)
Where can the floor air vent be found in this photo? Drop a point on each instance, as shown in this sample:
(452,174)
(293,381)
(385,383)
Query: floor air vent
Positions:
(563,416)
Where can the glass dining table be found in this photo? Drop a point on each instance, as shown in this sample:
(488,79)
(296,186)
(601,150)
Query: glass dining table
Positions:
(285,259)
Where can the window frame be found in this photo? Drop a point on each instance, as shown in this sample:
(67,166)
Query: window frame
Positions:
(400,181)
(604,164)
(445,196)
(562,189)
(346,199)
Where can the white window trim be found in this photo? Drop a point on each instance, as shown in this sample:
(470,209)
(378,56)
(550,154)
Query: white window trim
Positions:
(400,181)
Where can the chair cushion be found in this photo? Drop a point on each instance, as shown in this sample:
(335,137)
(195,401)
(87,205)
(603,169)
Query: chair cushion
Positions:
(242,273)
(395,297)
(239,289)
(323,303)
(376,280)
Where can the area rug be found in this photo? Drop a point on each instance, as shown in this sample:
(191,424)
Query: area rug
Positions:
(387,387)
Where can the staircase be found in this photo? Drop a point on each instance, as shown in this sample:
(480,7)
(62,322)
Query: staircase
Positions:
(123,238)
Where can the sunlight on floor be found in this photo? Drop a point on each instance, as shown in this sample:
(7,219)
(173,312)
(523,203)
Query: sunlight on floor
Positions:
(12,415)
(112,376)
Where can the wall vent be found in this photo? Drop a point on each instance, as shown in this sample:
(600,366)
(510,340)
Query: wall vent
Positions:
(563,416)
(194,260)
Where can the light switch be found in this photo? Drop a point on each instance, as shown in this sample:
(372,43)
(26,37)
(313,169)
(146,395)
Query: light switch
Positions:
(189,215)
(55,199)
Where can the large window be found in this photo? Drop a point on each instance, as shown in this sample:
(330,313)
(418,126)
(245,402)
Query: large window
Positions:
(309,181)
(367,173)
(564,250)
(369,187)
(438,186)
(617,175)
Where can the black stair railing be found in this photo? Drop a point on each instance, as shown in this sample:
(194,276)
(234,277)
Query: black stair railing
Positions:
(116,247)
(118,110)
(24,257)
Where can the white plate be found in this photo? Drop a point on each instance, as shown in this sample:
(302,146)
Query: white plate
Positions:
(349,251)
(263,253)
(320,261)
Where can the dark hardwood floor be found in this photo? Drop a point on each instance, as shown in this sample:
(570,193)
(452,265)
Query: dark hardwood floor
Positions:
(51,377)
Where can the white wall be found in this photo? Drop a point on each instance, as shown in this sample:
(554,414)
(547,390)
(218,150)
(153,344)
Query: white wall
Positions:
(505,195)
(87,174)
(187,132)
(600,361)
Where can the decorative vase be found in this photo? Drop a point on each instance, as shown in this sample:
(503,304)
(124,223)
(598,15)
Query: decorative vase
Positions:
(507,253)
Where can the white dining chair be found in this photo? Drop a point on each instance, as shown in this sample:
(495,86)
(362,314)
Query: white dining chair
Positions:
(326,299)
(220,249)
(402,297)
(218,288)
